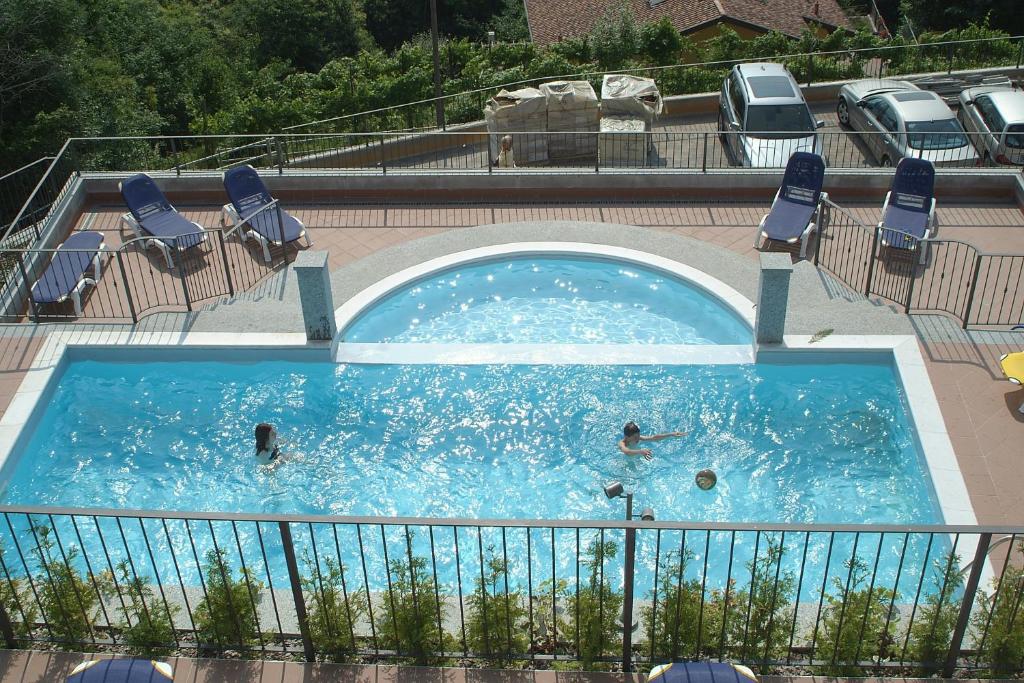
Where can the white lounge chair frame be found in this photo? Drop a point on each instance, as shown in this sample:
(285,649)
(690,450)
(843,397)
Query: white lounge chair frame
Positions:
(802,238)
(128,220)
(245,231)
(929,230)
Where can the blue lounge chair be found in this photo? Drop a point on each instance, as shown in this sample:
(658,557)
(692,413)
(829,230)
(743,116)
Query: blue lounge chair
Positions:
(797,205)
(69,270)
(121,671)
(908,214)
(249,212)
(150,215)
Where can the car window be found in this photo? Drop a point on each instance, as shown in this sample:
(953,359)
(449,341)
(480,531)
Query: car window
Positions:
(887,117)
(939,134)
(874,105)
(779,121)
(989,114)
(1015,136)
(736,94)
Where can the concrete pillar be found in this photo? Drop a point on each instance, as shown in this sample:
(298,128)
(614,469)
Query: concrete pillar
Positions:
(315,295)
(772,297)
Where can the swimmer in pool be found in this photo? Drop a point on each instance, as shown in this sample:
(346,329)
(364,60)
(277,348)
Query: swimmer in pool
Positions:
(632,437)
(268,449)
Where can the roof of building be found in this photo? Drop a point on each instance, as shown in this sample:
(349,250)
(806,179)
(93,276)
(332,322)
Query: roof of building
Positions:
(551,20)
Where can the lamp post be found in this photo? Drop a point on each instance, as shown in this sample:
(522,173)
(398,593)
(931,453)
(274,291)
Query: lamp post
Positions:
(616,490)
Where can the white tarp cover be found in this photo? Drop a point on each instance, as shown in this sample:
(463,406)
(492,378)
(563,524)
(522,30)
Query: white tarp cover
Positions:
(522,102)
(631,95)
(522,111)
(569,95)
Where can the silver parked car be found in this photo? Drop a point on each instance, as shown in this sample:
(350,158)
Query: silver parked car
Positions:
(996,115)
(763,117)
(898,120)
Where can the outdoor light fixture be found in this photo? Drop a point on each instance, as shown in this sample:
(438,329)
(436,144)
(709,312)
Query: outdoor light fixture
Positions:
(616,490)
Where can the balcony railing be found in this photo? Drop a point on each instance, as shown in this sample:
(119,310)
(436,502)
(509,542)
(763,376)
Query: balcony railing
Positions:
(854,599)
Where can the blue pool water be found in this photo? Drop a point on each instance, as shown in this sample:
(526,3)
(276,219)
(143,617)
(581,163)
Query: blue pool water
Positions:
(814,442)
(550,300)
(787,440)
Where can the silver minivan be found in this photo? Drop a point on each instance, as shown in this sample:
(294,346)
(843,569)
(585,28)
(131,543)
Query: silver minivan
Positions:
(996,117)
(763,117)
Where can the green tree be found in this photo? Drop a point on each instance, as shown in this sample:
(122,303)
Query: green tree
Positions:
(1001,625)
(614,37)
(660,42)
(67,601)
(595,607)
(674,620)
(147,627)
(760,615)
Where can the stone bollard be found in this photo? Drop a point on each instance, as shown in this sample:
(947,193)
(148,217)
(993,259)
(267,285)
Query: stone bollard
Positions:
(772,298)
(315,295)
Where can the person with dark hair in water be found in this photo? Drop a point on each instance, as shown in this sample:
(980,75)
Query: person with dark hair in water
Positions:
(632,438)
(268,450)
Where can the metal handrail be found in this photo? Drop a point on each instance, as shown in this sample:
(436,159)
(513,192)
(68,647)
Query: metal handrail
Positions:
(652,69)
(35,191)
(520,523)
(26,167)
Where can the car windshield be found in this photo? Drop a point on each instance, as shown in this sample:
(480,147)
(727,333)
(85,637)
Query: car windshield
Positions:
(940,134)
(1015,136)
(779,121)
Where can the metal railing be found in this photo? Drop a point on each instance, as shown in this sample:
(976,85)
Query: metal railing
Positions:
(696,77)
(134,279)
(950,277)
(16,186)
(841,598)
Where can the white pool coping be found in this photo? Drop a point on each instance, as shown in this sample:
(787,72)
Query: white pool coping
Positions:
(351,309)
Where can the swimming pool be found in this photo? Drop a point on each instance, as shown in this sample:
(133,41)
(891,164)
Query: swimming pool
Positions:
(786,439)
(550,299)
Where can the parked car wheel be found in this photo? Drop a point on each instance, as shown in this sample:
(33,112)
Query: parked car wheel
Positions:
(886,162)
(843,112)
(987,160)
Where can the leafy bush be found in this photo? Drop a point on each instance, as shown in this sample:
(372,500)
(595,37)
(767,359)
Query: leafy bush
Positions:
(1001,625)
(226,617)
(932,630)
(18,603)
(857,627)
(673,623)
(614,37)
(332,618)
(497,621)
(410,624)
(760,615)
(67,601)
(148,628)
(660,42)
(594,610)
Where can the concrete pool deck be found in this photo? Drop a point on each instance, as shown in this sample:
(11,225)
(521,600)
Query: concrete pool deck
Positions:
(977,405)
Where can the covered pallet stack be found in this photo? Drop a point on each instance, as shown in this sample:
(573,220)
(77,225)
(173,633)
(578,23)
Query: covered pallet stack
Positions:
(573,109)
(622,142)
(623,95)
(629,106)
(522,111)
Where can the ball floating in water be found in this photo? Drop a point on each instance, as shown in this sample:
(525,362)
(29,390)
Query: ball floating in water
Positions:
(706,480)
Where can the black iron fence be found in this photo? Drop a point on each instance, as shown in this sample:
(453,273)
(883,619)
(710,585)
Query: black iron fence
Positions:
(478,151)
(844,600)
(922,276)
(140,276)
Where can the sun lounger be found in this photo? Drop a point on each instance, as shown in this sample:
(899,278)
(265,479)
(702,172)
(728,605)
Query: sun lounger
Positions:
(909,207)
(1013,368)
(68,273)
(150,215)
(253,211)
(795,210)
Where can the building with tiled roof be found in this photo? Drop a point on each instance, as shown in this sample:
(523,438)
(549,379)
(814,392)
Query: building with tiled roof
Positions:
(551,20)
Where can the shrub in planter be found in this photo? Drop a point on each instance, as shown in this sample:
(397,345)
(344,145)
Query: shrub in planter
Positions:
(410,623)
(593,612)
(761,614)
(857,627)
(1000,621)
(226,618)
(496,625)
(332,617)
(148,626)
(673,621)
(933,625)
(67,601)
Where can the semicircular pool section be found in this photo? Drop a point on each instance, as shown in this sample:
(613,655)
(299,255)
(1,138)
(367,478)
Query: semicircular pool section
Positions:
(550,299)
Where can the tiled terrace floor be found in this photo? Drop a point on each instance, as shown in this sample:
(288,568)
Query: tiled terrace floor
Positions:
(979,406)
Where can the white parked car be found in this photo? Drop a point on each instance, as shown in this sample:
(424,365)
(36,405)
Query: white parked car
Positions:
(897,119)
(763,117)
(995,114)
